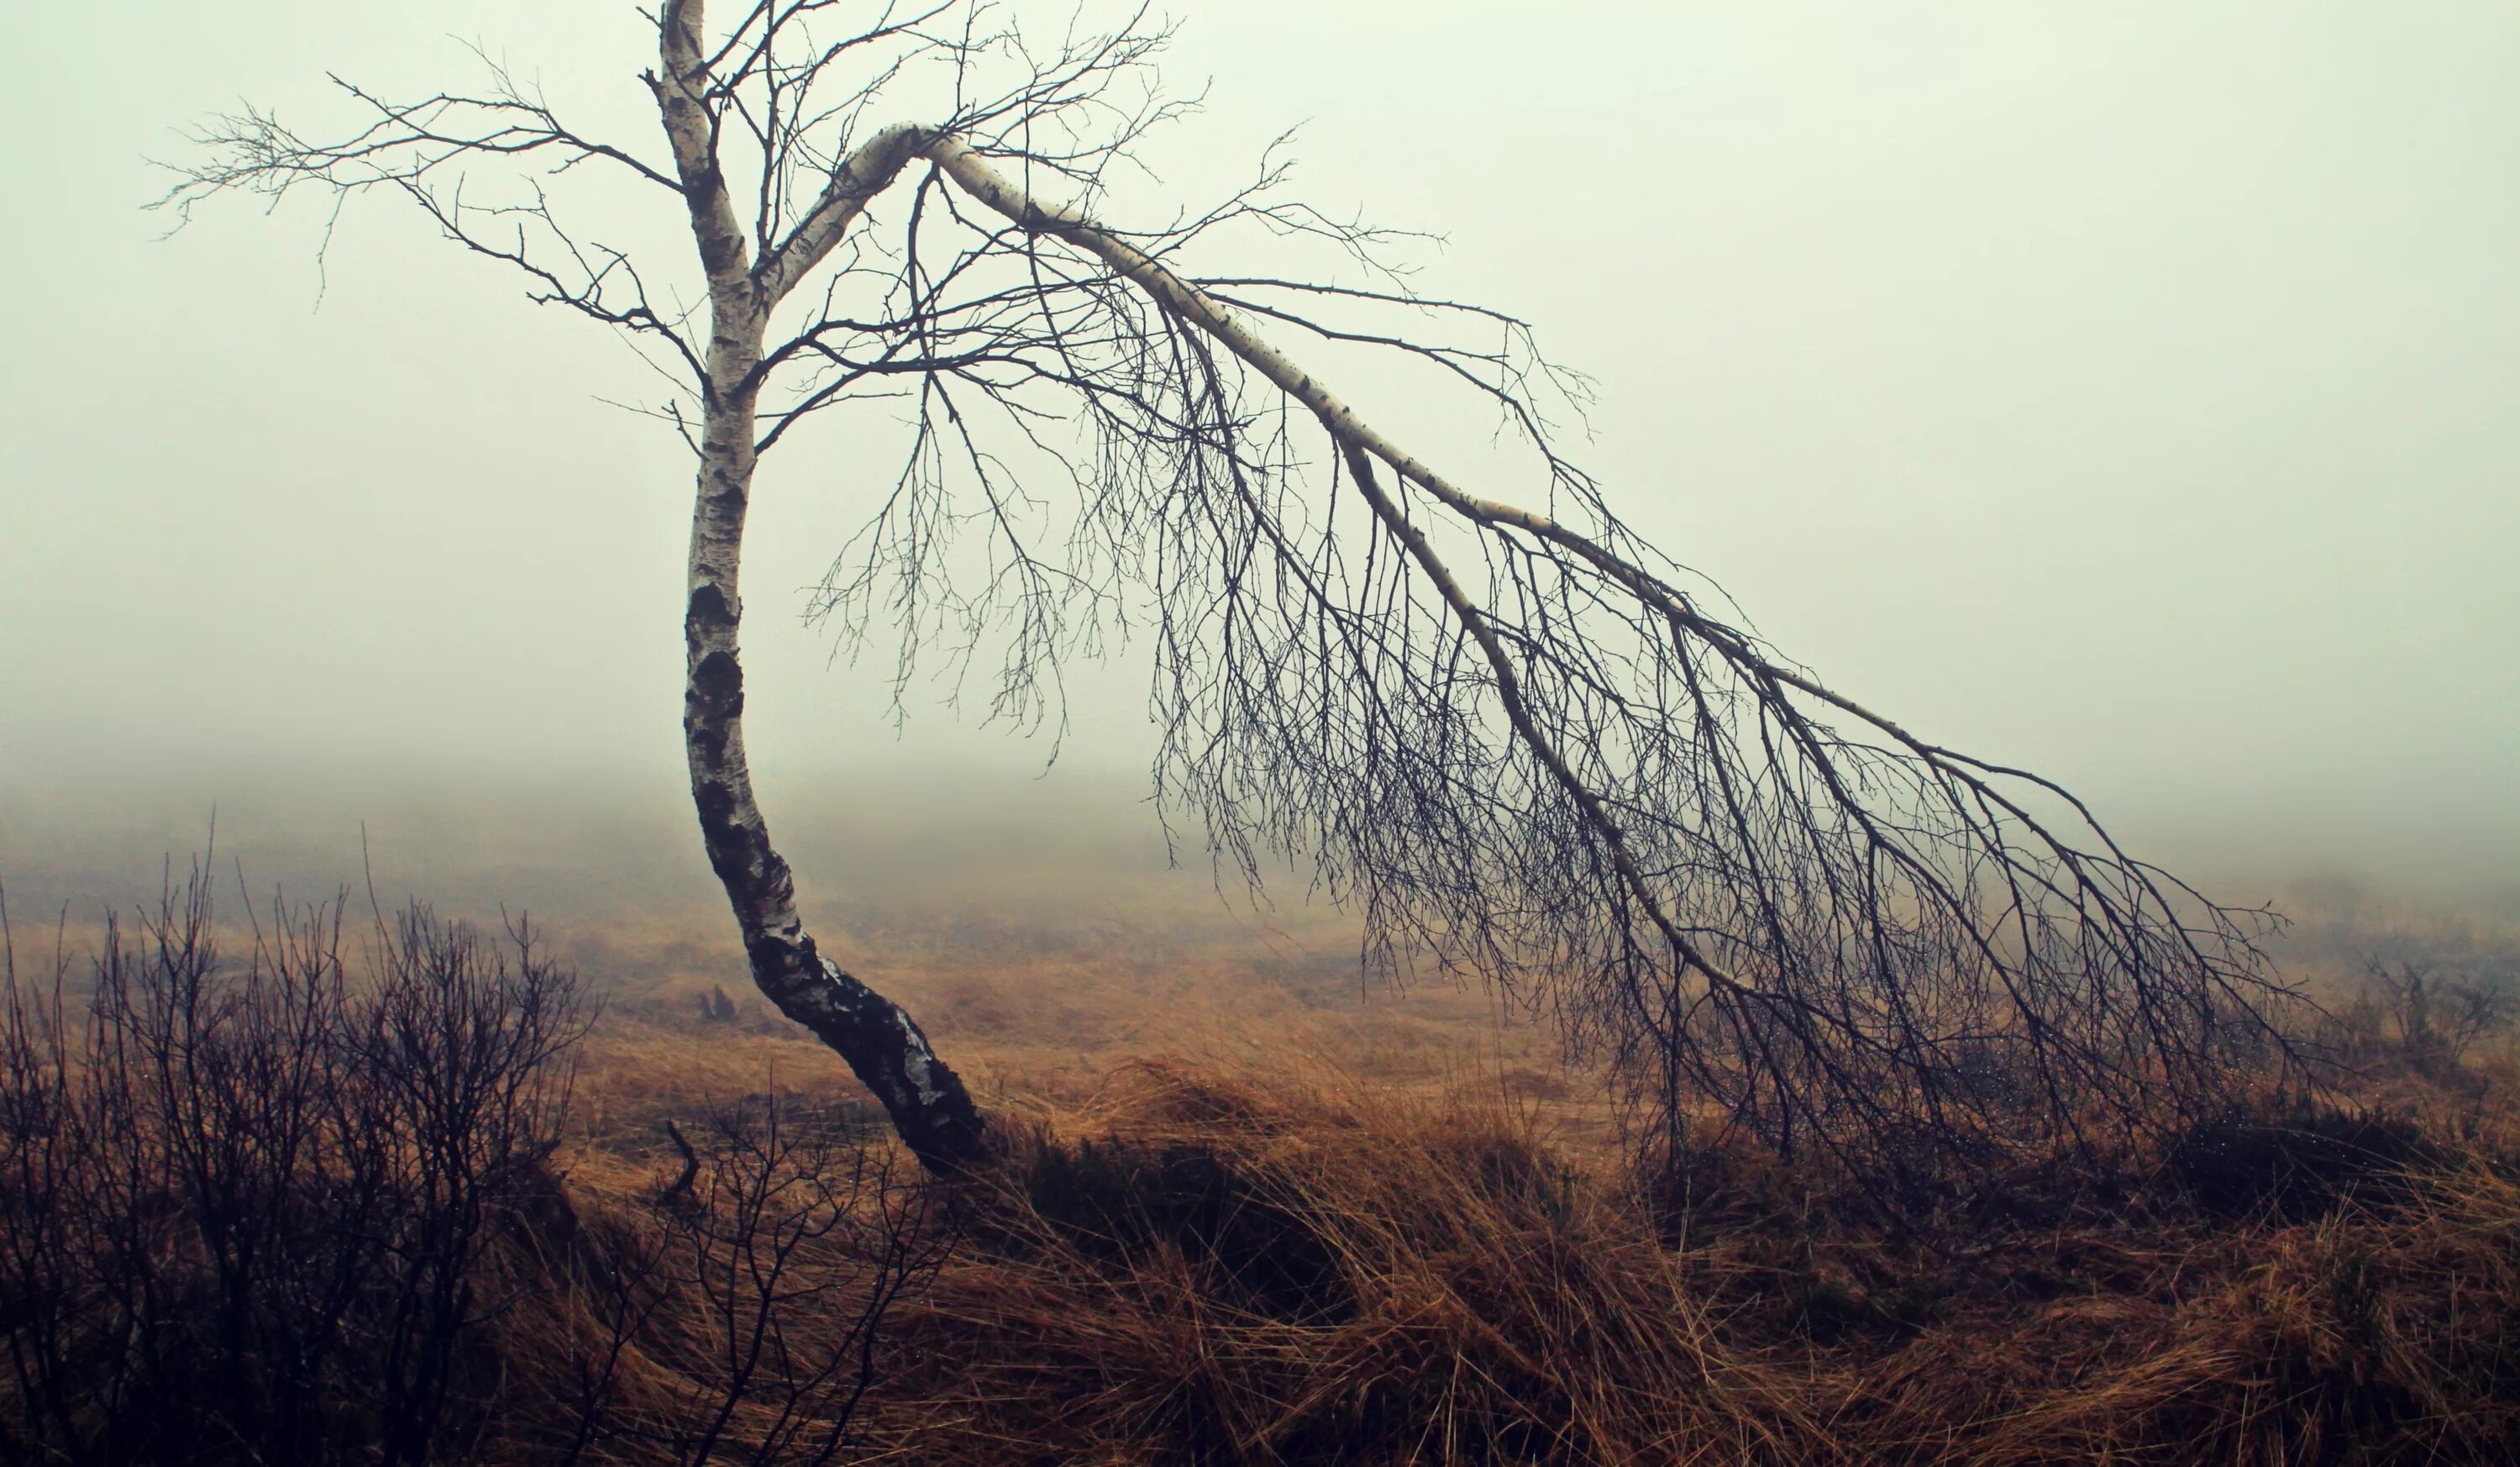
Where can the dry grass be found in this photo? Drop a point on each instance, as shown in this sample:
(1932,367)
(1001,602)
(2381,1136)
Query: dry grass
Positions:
(1210,1265)
(1261,1271)
(1247,1214)
(1242,1223)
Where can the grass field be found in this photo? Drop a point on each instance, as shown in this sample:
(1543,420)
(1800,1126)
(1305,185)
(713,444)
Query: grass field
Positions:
(1250,1210)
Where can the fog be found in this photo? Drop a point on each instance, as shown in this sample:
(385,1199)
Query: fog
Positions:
(2123,393)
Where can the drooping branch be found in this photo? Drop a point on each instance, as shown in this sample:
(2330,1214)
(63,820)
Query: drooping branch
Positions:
(1831,937)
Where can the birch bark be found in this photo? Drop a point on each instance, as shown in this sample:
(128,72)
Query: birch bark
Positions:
(928,1104)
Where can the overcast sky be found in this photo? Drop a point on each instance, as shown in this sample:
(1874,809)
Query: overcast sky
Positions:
(2123,391)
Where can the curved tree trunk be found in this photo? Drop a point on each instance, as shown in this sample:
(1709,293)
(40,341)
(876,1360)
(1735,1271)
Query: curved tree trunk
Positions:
(926,1101)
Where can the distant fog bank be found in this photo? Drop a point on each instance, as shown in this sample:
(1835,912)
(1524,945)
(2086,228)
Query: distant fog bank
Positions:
(579,851)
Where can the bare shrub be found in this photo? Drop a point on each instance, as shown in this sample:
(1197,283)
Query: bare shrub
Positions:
(790,1242)
(244,1201)
(2426,1015)
(273,1206)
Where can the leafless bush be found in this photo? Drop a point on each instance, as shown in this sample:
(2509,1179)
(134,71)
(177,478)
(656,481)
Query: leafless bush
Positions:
(784,1242)
(257,1208)
(2430,1016)
(244,1201)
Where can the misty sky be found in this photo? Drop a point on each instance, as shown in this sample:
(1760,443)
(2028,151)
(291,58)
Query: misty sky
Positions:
(2127,391)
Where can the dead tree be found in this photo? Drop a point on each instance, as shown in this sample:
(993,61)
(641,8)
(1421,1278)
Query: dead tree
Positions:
(1522,743)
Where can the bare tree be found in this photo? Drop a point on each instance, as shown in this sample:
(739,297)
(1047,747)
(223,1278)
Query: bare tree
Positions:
(1523,743)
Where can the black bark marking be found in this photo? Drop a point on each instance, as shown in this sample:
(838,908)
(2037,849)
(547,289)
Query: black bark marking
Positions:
(717,684)
(708,610)
(707,740)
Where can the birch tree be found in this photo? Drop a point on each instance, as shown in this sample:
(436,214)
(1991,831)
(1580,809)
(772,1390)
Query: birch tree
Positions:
(1523,743)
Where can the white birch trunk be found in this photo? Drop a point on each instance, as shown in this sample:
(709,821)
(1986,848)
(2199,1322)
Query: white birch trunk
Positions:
(928,1102)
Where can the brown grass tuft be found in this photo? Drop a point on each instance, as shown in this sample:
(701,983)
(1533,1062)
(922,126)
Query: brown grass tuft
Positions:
(1213,1266)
